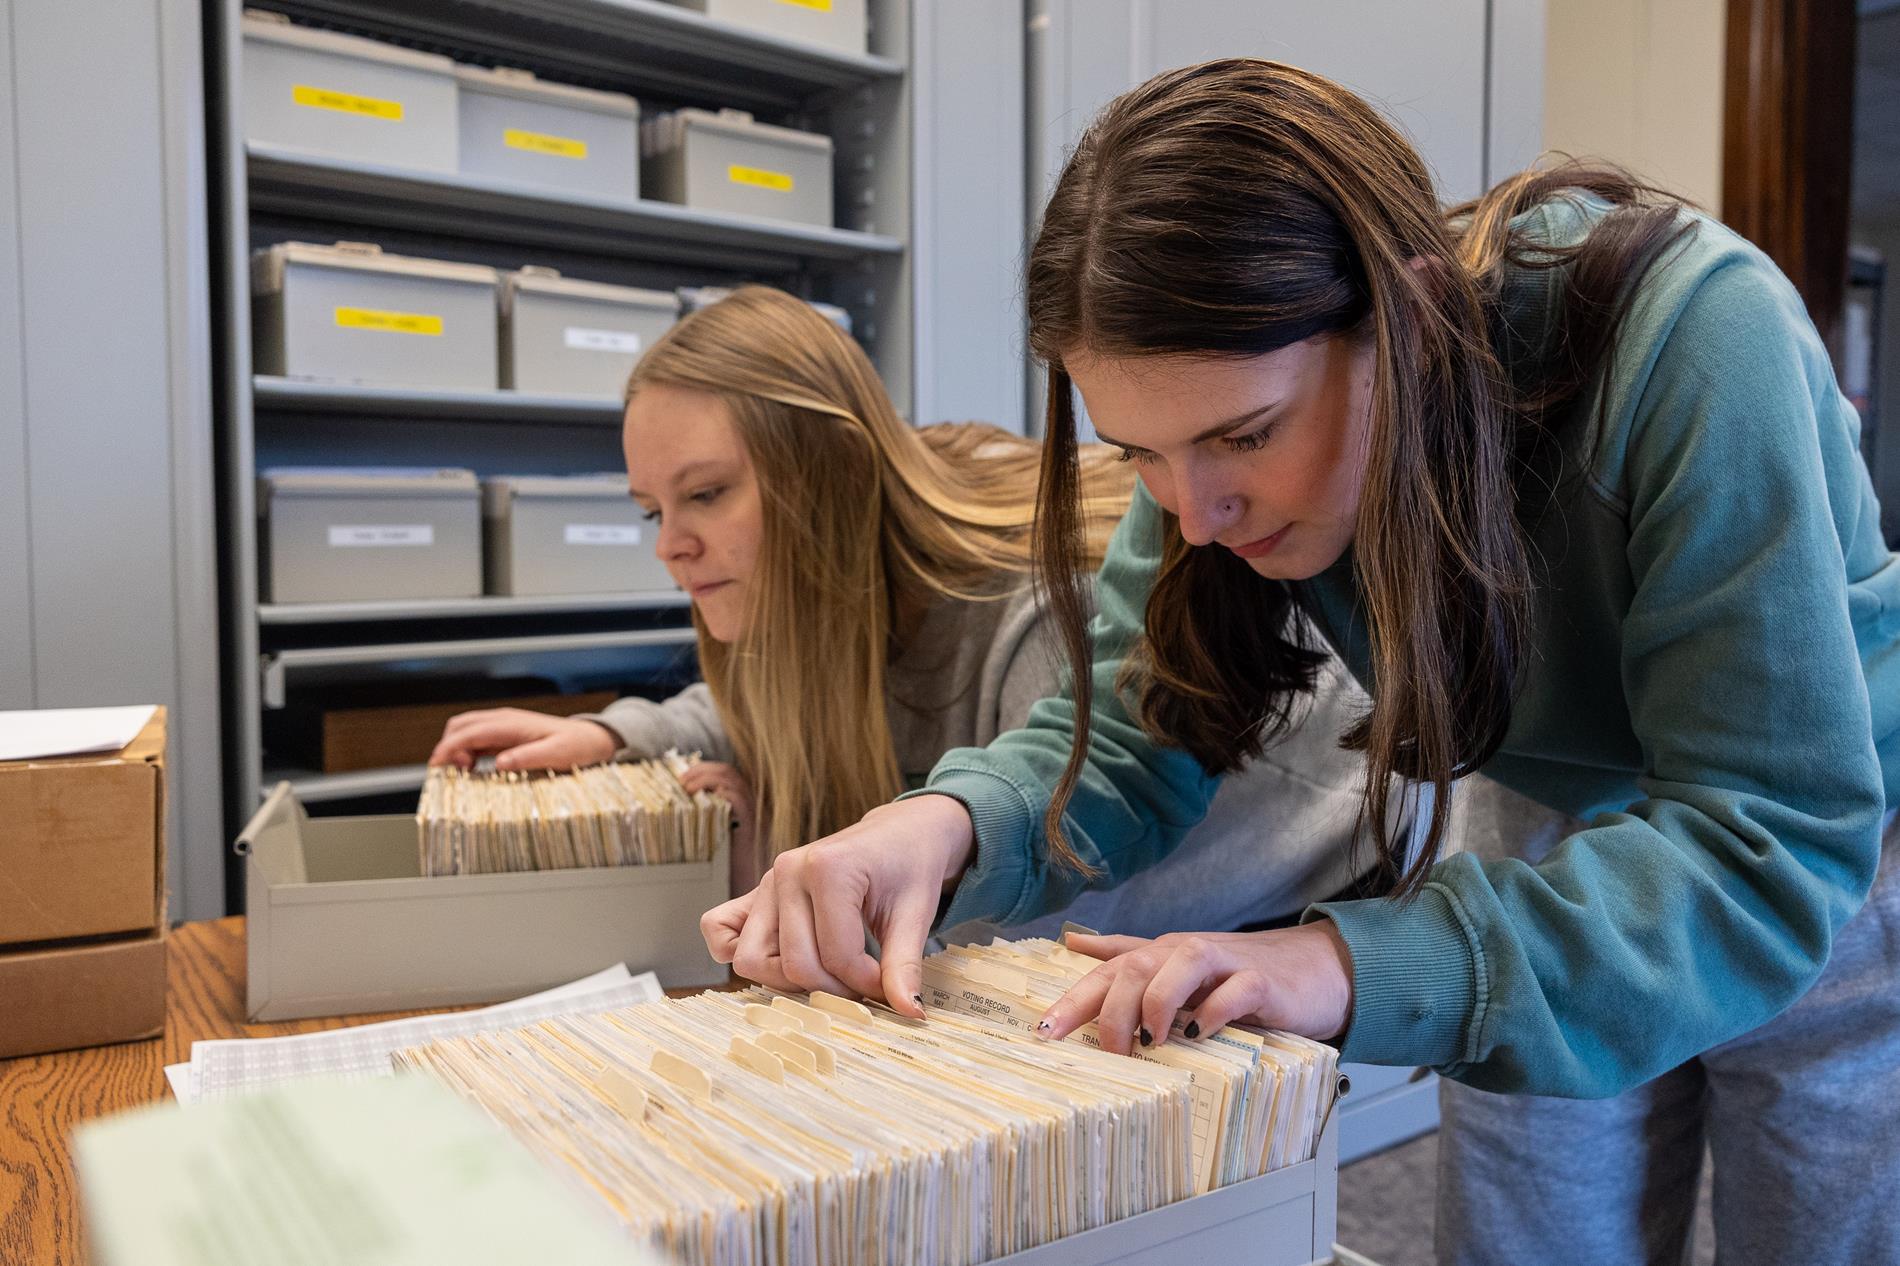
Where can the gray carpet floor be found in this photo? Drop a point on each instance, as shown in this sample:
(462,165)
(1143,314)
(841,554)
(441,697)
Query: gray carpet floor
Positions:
(1385,1207)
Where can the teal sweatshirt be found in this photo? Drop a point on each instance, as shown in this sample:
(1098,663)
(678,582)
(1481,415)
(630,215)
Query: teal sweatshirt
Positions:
(1713,686)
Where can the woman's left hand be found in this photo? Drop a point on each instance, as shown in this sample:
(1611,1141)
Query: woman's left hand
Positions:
(1297,980)
(744,865)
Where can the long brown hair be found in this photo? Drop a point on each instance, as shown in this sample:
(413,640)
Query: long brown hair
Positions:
(1239,206)
(868,521)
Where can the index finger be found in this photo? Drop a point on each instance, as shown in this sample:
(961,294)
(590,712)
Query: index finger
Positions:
(722,925)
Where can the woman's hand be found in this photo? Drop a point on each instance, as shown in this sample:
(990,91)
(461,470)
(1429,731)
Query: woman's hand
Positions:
(1298,980)
(803,927)
(726,782)
(519,739)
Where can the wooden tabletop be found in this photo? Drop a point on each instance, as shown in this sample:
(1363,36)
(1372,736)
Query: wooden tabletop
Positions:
(42,1097)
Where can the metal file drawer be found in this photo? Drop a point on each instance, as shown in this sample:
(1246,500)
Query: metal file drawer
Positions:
(336,94)
(569,337)
(349,313)
(517,127)
(565,535)
(727,162)
(363,535)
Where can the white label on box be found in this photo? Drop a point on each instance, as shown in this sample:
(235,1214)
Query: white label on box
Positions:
(382,534)
(602,534)
(586,340)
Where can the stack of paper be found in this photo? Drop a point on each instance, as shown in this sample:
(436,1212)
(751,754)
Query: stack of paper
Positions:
(228,1066)
(622,814)
(752,1128)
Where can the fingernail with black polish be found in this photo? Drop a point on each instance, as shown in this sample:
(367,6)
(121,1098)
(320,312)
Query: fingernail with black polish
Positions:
(1192,1030)
(1044,1028)
(1147,1038)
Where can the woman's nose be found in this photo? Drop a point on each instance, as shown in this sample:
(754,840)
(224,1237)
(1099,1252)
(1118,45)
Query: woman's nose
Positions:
(1205,516)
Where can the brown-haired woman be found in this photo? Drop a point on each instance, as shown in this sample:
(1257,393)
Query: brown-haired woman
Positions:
(1565,477)
(861,593)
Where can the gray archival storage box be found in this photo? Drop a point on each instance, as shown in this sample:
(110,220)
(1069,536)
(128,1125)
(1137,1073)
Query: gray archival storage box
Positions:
(339,920)
(329,535)
(727,162)
(549,534)
(349,313)
(693,298)
(566,337)
(517,127)
(354,98)
(835,24)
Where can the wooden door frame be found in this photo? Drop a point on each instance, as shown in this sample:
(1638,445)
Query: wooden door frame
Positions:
(1788,141)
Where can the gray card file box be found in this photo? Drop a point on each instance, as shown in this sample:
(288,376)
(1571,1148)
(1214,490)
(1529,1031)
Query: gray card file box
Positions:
(364,535)
(567,535)
(349,313)
(727,162)
(339,921)
(833,24)
(336,94)
(517,127)
(566,337)
(1285,1218)
(693,298)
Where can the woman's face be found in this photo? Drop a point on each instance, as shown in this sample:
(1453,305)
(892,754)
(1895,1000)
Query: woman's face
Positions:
(1265,456)
(689,470)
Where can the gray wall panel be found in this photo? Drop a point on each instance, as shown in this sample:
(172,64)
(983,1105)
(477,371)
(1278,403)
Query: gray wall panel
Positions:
(16,594)
(1516,131)
(967,214)
(114,402)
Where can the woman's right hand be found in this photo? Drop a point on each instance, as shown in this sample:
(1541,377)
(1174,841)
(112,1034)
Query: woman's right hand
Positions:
(519,739)
(803,927)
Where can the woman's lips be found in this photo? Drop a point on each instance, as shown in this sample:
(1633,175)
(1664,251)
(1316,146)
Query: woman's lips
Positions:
(700,591)
(1261,547)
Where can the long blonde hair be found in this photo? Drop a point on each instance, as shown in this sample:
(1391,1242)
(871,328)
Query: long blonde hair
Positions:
(867,523)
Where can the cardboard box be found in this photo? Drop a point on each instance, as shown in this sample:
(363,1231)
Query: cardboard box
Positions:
(64,996)
(339,920)
(82,842)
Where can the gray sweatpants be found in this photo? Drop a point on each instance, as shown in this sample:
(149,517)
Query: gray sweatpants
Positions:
(1801,1117)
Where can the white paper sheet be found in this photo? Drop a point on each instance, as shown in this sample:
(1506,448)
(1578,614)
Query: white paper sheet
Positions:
(233,1065)
(40,732)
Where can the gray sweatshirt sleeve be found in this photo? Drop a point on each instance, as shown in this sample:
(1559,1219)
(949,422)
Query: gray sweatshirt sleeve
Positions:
(688,721)
(1024,664)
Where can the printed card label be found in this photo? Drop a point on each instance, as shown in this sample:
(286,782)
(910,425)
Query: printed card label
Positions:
(542,143)
(346,103)
(602,534)
(388,322)
(583,339)
(760,178)
(354,535)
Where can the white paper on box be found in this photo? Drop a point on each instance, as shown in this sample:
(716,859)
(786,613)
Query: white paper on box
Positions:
(602,534)
(352,535)
(33,733)
(583,339)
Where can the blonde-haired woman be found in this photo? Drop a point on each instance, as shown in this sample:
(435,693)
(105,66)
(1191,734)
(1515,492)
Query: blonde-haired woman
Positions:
(861,593)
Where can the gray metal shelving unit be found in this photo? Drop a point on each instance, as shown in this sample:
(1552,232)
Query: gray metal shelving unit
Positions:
(663,54)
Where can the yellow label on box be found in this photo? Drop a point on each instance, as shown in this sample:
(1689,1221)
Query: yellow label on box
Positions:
(346,102)
(542,143)
(763,179)
(394,322)
(823,6)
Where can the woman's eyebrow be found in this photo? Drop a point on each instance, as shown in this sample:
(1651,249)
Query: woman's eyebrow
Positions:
(681,475)
(1213,432)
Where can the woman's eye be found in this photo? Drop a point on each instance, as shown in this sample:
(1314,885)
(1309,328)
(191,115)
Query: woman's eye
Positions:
(706,496)
(651,516)
(1249,442)
(1134,455)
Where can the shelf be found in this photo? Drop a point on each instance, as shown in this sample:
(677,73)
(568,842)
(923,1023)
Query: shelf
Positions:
(292,395)
(312,787)
(304,185)
(275,668)
(639,45)
(289,613)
